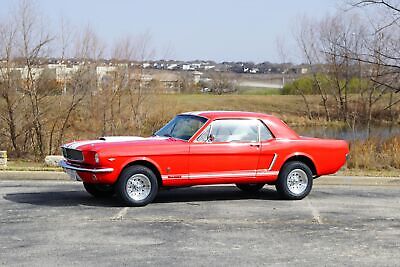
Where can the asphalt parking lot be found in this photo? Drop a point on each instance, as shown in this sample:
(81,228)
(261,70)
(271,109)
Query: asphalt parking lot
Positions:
(57,223)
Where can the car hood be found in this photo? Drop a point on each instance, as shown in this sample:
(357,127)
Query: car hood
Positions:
(111,141)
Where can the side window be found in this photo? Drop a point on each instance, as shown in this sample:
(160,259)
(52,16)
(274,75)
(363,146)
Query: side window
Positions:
(186,128)
(265,133)
(235,130)
(204,135)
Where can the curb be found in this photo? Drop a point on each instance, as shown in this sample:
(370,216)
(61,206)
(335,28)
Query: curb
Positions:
(34,175)
(357,180)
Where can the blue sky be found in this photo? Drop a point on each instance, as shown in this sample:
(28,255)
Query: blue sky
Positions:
(219,30)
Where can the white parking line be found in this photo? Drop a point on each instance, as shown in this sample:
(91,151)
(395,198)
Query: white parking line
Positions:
(120,215)
(315,213)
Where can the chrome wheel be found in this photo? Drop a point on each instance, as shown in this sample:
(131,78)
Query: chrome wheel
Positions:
(138,187)
(297,181)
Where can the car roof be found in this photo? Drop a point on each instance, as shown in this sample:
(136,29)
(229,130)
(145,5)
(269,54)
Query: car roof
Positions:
(277,126)
(219,114)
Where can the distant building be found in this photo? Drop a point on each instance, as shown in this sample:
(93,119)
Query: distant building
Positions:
(197,76)
(172,66)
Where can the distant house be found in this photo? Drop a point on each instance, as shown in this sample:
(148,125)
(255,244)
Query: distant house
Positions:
(209,67)
(187,67)
(197,76)
(254,70)
(172,66)
(196,66)
(169,82)
(301,69)
(23,72)
(104,73)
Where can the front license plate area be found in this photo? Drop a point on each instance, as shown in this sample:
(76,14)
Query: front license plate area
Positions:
(73,175)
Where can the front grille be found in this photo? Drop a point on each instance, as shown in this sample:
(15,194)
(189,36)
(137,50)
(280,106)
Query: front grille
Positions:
(72,154)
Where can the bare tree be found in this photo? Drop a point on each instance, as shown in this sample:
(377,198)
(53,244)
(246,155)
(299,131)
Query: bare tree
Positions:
(136,89)
(8,88)
(222,83)
(307,40)
(380,54)
(283,55)
(383,17)
(33,41)
(339,37)
(341,49)
(81,82)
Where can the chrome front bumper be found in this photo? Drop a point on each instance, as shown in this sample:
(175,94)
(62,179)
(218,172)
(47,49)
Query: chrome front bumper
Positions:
(65,165)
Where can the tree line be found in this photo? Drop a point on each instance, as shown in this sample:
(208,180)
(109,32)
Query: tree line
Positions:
(353,57)
(36,109)
(354,66)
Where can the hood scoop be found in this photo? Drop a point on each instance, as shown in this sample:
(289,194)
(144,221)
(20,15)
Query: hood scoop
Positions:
(120,138)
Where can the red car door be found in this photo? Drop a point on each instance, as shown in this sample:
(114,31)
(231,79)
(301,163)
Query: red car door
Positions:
(227,148)
(269,153)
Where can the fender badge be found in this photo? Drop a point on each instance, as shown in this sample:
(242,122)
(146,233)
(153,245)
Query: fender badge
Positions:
(111,159)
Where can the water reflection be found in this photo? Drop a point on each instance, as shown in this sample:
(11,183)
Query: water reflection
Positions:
(360,133)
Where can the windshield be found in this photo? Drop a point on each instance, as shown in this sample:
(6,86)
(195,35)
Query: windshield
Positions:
(182,127)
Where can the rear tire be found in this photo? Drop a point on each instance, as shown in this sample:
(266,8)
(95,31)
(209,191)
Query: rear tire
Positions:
(295,181)
(251,188)
(137,186)
(99,190)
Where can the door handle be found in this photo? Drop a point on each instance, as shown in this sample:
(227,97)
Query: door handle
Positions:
(255,145)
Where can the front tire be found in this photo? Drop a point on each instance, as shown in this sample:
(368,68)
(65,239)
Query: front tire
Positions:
(137,186)
(99,190)
(295,181)
(251,188)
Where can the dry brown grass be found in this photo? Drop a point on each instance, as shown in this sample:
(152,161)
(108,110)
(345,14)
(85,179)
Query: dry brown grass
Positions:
(158,109)
(373,154)
(88,121)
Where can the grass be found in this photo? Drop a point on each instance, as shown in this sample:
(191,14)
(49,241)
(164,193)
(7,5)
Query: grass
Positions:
(370,156)
(246,90)
(21,165)
(374,154)
(289,108)
(369,173)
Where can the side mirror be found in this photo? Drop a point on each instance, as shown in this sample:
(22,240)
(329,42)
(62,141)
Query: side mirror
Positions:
(210,138)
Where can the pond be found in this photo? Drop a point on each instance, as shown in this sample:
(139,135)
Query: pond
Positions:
(359,133)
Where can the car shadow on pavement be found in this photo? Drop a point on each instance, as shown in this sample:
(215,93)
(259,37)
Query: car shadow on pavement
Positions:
(212,193)
(189,194)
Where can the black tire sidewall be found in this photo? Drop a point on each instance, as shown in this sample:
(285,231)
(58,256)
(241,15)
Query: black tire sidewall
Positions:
(281,184)
(250,187)
(125,175)
(99,190)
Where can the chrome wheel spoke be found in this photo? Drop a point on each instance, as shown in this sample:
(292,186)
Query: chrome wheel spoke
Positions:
(138,187)
(297,181)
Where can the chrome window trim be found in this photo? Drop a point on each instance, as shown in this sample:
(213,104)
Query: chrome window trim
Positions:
(266,127)
(220,119)
(183,114)
(272,162)
(205,129)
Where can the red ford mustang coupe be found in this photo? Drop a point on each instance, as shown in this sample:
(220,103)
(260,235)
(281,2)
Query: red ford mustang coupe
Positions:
(197,148)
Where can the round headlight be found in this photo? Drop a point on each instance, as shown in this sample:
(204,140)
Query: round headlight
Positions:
(96,158)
